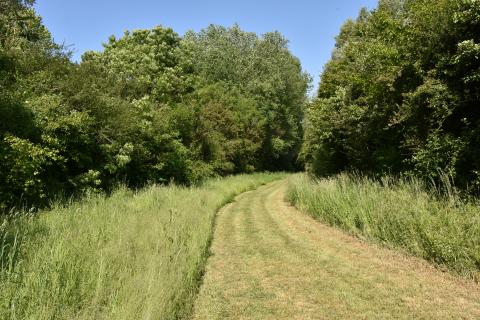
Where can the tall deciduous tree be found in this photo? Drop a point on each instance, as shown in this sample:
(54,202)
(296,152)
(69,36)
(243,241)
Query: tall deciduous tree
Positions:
(401,93)
(152,107)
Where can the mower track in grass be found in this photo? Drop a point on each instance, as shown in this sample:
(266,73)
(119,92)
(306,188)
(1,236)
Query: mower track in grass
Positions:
(270,261)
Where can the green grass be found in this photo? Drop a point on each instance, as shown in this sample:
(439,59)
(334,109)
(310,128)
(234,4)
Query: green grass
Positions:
(397,213)
(129,256)
(271,261)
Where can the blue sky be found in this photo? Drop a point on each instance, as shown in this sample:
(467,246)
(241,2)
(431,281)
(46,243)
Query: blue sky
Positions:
(310,25)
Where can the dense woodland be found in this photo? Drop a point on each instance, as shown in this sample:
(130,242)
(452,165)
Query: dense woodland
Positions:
(152,107)
(401,94)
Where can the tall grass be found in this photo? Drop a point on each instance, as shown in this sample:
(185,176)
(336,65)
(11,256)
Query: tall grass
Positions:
(130,256)
(433,224)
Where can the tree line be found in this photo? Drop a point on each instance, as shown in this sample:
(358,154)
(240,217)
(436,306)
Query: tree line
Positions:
(401,94)
(152,107)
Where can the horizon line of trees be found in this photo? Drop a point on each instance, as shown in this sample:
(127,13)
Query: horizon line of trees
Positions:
(152,107)
(401,95)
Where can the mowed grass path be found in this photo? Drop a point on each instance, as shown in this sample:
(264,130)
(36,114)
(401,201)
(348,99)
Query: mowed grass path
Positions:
(270,261)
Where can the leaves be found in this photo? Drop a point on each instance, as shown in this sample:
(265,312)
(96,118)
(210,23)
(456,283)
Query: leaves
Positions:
(400,93)
(152,107)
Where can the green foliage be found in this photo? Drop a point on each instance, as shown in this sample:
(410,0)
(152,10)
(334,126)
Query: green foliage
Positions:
(23,169)
(226,129)
(152,107)
(262,69)
(431,223)
(25,50)
(147,62)
(400,93)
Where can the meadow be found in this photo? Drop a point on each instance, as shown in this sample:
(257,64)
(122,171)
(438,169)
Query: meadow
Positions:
(429,222)
(134,255)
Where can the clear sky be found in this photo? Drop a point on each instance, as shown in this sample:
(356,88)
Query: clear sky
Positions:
(310,25)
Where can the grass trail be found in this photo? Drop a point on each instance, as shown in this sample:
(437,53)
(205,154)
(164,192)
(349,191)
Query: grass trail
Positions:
(130,256)
(269,261)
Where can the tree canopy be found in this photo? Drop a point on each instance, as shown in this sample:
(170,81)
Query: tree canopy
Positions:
(152,107)
(401,94)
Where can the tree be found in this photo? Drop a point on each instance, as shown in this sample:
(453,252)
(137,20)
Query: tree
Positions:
(261,68)
(150,108)
(399,93)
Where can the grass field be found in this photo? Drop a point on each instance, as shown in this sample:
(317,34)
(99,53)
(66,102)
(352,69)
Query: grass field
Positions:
(129,256)
(271,261)
(399,214)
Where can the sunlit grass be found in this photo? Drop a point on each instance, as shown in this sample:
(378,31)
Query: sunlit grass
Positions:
(130,256)
(398,213)
(271,261)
